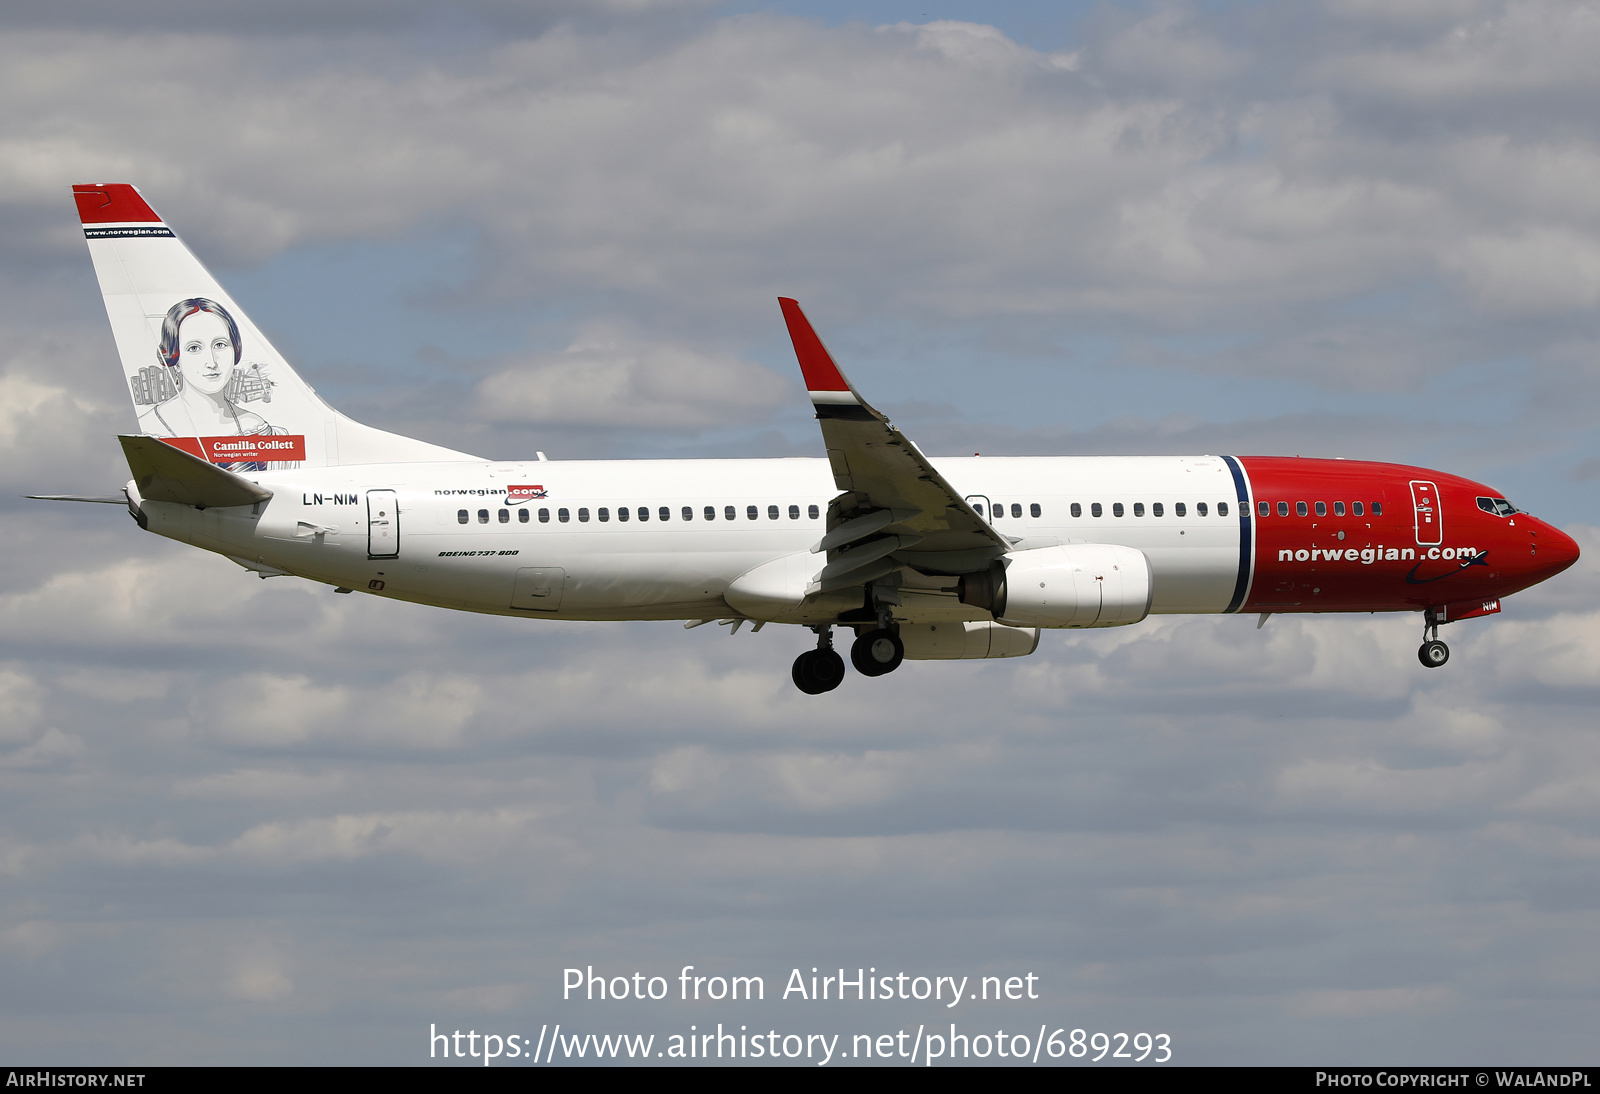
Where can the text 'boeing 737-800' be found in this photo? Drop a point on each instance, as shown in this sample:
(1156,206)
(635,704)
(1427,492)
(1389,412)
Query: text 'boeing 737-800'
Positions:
(921,558)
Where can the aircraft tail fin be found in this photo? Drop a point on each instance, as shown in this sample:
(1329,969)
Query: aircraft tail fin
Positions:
(201,376)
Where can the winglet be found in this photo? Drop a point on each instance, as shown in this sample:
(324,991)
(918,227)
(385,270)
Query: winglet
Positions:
(831,393)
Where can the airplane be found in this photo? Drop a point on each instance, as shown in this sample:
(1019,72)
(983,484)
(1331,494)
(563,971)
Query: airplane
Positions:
(919,558)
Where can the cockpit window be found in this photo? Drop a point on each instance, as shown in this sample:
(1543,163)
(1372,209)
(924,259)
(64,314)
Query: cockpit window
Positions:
(1499,507)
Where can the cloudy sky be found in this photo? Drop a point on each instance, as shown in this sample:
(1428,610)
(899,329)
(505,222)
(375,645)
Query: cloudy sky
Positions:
(251,821)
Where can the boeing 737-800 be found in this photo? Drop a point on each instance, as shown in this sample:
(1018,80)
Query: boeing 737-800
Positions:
(921,558)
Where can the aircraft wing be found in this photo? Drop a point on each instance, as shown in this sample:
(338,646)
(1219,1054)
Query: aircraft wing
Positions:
(891,492)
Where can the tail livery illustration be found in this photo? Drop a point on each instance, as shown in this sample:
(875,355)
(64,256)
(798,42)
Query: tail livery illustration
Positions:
(201,376)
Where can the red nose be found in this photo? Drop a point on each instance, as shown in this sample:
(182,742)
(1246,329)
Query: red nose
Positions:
(1557,551)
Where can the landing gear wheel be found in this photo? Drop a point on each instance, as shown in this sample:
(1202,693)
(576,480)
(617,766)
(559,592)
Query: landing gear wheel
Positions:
(1433,653)
(817,671)
(877,652)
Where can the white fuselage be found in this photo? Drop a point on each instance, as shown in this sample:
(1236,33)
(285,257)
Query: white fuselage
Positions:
(335,525)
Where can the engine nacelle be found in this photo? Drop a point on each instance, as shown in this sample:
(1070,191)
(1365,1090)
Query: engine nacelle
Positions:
(957,641)
(1078,585)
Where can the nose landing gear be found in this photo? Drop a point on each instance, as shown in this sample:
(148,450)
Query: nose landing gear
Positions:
(1432,653)
(821,669)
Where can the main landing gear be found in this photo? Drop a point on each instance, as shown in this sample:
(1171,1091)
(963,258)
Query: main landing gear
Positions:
(877,652)
(821,669)
(1432,653)
(874,653)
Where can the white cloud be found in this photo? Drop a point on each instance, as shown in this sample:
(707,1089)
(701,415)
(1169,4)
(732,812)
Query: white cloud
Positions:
(1538,272)
(20,705)
(608,378)
(259,978)
(1359,1003)
(1478,51)
(478,837)
(24,402)
(1168,50)
(805,781)
(52,747)
(259,783)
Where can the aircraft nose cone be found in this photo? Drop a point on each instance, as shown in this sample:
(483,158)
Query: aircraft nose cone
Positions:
(1557,550)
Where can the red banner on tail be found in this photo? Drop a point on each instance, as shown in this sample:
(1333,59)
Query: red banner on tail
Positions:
(258,448)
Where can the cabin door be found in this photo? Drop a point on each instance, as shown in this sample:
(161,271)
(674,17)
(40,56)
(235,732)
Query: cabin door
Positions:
(1429,520)
(383,524)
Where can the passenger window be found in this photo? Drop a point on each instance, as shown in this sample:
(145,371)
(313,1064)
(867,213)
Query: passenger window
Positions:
(644,512)
(583,516)
(505,516)
(1034,510)
(998,510)
(794,512)
(729,513)
(622,514)
(1094,509)
(544,516)
(1264,508)
(1116,508)
(1338,508)
(563,515)
(1377,508)
(483,516)
(1300,508)
(688,512)
(1138,508)
(1156,510)
(711,512)
(605,514)
(772,512)
(1016,509)
(1222,508)
(664,513)
(750,512)
(1355,507)
(1179,509)
(1200,508)
(1322,508)
(813,512)
(1283,508)
(1075,509)
(522,516)
(462,516)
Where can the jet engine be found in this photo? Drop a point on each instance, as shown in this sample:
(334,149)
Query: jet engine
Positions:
(1078,585)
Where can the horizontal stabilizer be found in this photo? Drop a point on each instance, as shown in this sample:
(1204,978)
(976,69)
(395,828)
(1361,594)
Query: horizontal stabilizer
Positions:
(99,499)
(165,473)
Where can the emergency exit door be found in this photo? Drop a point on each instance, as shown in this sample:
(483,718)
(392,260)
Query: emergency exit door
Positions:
(383,524)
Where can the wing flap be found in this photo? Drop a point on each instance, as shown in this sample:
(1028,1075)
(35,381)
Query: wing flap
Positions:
(165,473)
